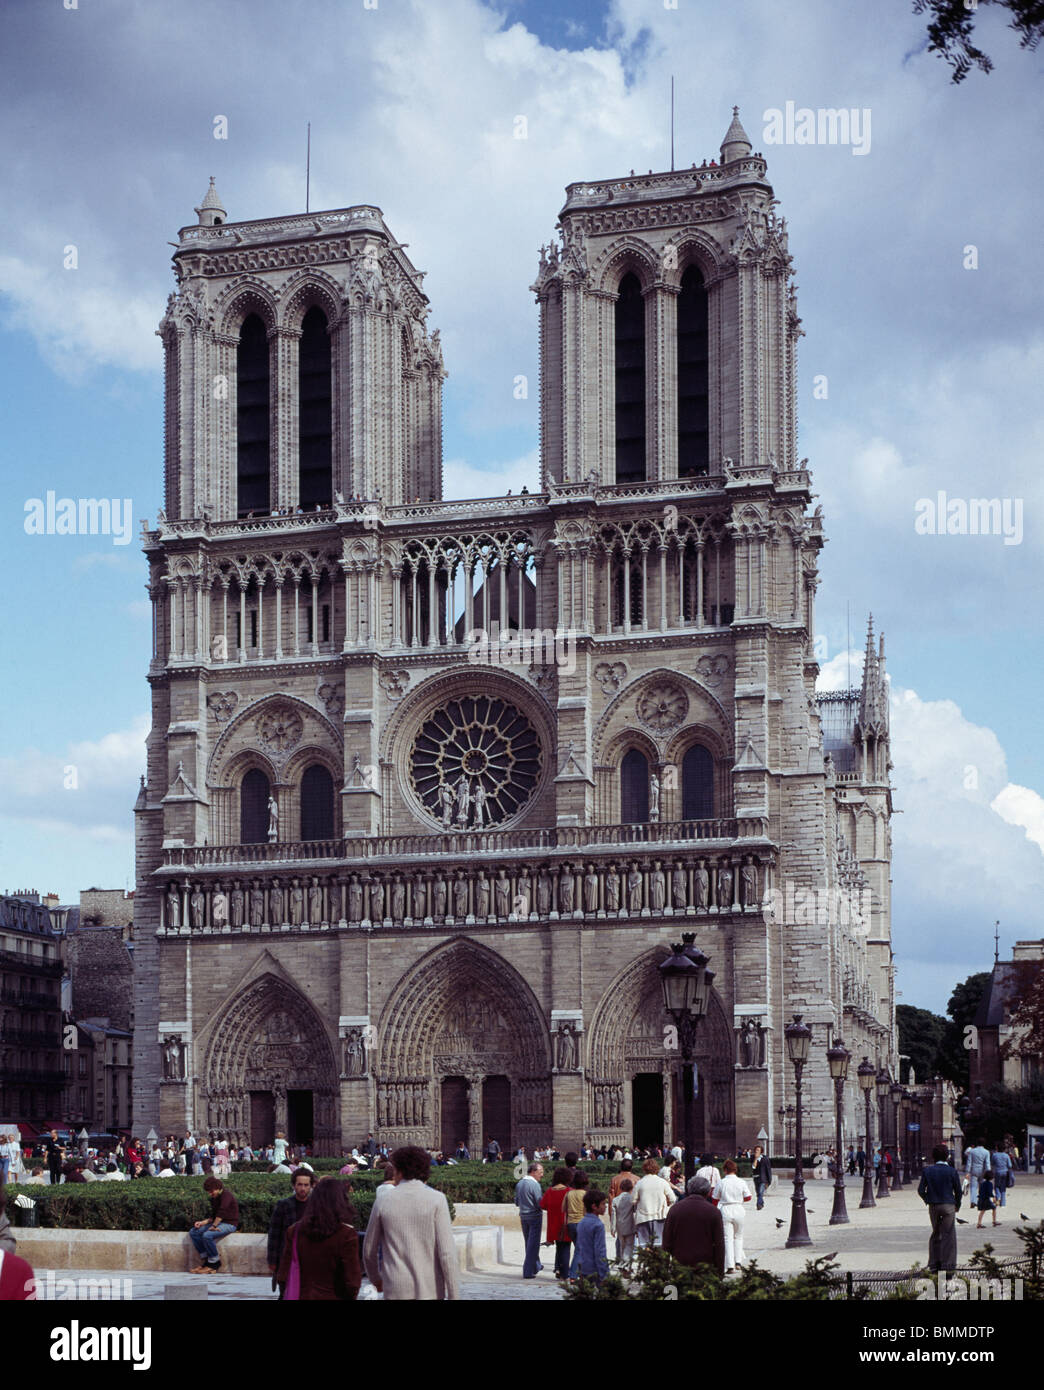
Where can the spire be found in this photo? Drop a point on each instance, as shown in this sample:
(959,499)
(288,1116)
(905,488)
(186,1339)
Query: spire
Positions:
(996,943)
(211,212)
(736,144)
(871,719)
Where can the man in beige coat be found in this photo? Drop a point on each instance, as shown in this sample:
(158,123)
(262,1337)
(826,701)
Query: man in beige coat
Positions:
(409,1248)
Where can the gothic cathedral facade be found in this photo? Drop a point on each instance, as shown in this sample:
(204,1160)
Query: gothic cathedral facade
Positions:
(433,784)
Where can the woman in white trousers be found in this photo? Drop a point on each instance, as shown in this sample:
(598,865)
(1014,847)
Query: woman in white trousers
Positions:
(734,1193)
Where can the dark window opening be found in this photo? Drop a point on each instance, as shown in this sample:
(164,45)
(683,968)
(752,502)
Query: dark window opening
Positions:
(314,399)
(693,409)
(252,418)
(253,808)
(697,784)
(326,622)
(634,788)
(317,804)
(253,627)
(630,382)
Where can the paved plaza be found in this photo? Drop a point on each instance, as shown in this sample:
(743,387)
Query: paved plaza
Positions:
(891,1236)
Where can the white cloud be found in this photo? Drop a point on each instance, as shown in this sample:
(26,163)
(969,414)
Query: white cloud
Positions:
(1023,807)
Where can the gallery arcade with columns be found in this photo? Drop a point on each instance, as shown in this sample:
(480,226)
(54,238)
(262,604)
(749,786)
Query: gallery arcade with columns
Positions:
(433,784)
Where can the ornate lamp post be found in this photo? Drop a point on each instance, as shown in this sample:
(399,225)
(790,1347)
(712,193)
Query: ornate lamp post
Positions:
(838,1058)
(896,1092)
(919,1099)
(907,1138)
(867,1072)
(883,1082)
(799,1040)
(686,983)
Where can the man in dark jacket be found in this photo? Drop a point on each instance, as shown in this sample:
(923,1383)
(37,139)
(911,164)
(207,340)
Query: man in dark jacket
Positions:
(940,1190)
(284,1214)
(693,1231)
(762,1171)
(223,1220)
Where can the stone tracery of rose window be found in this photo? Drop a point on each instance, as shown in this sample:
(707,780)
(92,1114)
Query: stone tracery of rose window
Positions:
(484,743)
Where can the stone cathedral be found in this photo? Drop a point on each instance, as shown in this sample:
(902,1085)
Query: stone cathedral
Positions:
(433,784)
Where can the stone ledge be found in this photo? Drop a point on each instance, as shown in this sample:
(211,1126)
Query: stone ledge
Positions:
(171,1252)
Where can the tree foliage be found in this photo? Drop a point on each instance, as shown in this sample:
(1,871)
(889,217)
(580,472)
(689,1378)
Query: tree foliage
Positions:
(952,1060)
(1004,1110)
(1026,1011)
(951,29)
(920,1038)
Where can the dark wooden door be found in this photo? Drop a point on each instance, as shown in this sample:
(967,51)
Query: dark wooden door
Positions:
(262,1118)
(454,1114)
(496,1112)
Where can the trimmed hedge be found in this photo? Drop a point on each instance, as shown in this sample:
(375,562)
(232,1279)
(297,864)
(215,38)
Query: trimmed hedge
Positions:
(154,1204)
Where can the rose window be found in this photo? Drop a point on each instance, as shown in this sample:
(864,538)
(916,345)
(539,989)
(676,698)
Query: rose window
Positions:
(663,706)
(475,762)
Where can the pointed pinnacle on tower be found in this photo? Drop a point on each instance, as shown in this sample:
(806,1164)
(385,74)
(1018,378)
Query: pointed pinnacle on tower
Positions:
(736,144)
(211,212)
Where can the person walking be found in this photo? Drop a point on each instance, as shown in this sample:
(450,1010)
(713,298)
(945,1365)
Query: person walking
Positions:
(708,1170)
(324,1246)
(1003,1170)
(987,1198)
(694,1231)
(574,1212)
(653,1198)
(528,1194)
(860,1159)
(223,1220)
(55,1157)
(284,1215)
(592,1261)
(851,1162)
(621,1221)
(492,1150)
(940,1190)
(761,1170)
(553,1202)
(976,1161)
(409,1249)
(616,1182)
(732,1194)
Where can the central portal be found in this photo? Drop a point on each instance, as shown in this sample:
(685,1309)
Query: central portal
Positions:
(300,1119)
(647,1109)
(454,1113)
(496,1112)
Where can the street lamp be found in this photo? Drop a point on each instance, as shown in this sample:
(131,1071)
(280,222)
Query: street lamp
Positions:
(838,1058)
(799,1040)
(908,1136)
(919,1098)
(867,1073)
(686,983)
(896,1092)
(883,1083)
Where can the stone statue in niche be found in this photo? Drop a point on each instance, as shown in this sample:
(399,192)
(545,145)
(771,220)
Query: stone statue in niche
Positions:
(355,896)
(482,890)
(237,903)
(460,896)
(544,893)
(257,905)
(446,803)
(219,907)
(634,890)
(503,894)
(354,1053)
(724,888)
(701,879)
(567,1051)
(657,888)
(750,884)
(679,897)
(419,897)
(197,907)
(439,897)
(612,889)
(273,818)
(523,894)
(377,900)
(751,1043)
(276,910)
(478,800)
(173,1058)
(398,899)
(296,903)
(173,908)
(591,890)
(463,802)
(654,798)
(315,902)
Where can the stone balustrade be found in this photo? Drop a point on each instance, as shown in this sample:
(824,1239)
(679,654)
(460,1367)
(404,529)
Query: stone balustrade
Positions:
(711,882)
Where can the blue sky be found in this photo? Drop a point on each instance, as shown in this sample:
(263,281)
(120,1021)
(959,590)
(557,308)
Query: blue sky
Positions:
(933,370)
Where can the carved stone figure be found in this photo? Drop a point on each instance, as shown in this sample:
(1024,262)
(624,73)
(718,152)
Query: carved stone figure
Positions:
(750,1043)
(377,900)
(634,889)
(679,897)
(591,890)
(523,894)
(460,896)
(315,902)
(276,908)
(273,818)
(173,908)
(566,1049)
(724,888)
(463,802)
(197,907)
(398,899)
(354,1053)
(355,899)
(612,889)
(419,898)
(446,802)
(237,903)
(439,897)
(565,889)
(701,879)
(257,905)
(173,1058)
(482,891)
(750,885)
(654,797)
(296,903)
(657,888)
(503,894)
(478,800)
(219,907)
(544,893)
